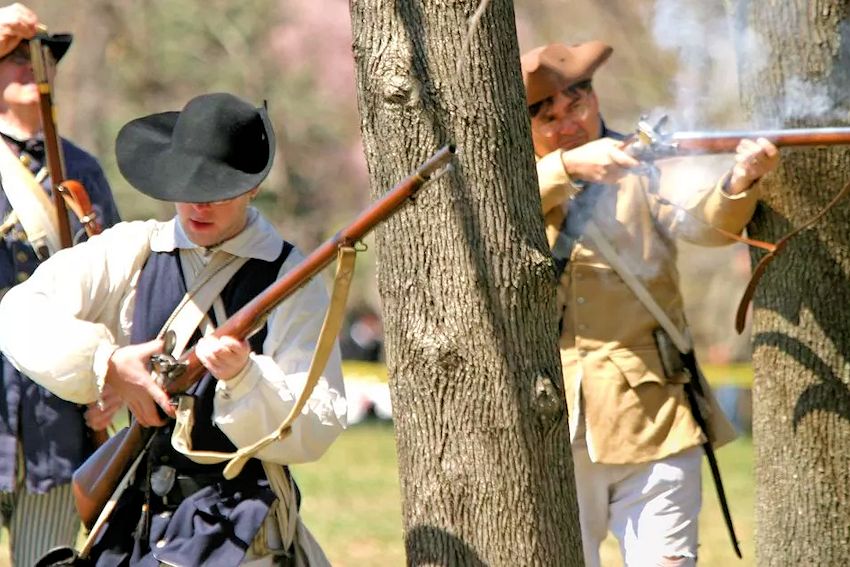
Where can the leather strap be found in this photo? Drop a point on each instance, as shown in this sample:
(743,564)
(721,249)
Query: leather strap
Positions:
(772,249)
(193,307)
(181,438)
(758,271)
(683,343)
(77,199)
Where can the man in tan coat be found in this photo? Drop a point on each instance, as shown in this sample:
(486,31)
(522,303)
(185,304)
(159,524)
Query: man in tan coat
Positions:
(636,443)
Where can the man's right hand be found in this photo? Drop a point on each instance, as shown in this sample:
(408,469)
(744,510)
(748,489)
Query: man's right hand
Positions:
(17,23)
(129,376)
(600,161)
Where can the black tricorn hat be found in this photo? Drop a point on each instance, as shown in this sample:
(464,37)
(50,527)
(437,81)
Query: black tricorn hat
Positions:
(216,148)
(58,43)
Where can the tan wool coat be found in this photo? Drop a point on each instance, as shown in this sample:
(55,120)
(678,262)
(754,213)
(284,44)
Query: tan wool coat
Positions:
(613,376)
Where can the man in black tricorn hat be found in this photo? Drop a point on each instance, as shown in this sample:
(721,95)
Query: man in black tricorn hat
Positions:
(105,304)
(42,438)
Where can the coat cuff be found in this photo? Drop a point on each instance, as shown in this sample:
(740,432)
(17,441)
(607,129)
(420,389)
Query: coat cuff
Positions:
(555,184)
(723,186)
(241,384)
(100,366)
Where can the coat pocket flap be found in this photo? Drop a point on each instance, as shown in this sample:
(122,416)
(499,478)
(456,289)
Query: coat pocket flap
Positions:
(641,365)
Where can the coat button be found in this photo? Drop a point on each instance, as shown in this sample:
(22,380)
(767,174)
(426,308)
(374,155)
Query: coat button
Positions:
(21,256)
(161,543)
(21,276)
(580,300)
(582,327)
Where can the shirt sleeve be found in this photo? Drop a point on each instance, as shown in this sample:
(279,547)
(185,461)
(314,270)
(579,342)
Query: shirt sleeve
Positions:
(70,309)
(256,402)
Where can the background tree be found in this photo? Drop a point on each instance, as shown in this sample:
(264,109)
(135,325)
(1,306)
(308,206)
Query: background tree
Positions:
(794,59)
(468,289)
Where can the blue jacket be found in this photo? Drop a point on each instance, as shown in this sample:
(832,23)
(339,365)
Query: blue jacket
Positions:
(50,430)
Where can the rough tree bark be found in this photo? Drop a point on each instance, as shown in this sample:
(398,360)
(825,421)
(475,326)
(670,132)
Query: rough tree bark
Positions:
(801,422)
(468,290)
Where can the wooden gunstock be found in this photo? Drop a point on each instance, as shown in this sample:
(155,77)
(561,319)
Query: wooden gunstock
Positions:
(96,479)
(694,143)
(92,483)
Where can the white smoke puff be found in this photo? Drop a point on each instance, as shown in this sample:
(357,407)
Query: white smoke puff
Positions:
(753,51)
(705,85)
(807,100)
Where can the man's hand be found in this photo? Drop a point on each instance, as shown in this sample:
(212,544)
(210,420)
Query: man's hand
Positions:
(224,356)
(599,161)
(753,160)
(99,416)
(17,22)
(129,377)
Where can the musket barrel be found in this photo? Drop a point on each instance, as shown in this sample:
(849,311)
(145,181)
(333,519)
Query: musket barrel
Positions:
(725,142)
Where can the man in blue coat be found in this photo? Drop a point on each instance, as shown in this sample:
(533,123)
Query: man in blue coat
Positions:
(42,437)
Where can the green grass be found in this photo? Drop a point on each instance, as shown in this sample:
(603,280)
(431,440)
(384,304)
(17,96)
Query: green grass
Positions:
(351,503)
(351,500)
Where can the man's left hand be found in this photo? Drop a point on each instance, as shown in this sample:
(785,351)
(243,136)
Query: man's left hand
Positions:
(753,160)
(99,415)
(224,357)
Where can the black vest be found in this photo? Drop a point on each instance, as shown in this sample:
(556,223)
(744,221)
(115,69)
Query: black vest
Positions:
(160,289)
(216,524)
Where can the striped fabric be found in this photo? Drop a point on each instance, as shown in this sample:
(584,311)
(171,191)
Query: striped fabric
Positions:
(38,522)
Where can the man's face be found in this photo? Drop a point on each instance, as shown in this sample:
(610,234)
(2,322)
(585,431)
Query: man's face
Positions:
(566,120)
(17,84)
(208,224)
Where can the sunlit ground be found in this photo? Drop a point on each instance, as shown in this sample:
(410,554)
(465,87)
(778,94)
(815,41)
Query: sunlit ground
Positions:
(352,505)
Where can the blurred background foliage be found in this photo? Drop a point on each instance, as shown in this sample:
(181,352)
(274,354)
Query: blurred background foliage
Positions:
(132,58)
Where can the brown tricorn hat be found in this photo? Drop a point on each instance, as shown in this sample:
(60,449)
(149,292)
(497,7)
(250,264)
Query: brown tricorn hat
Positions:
(554,67)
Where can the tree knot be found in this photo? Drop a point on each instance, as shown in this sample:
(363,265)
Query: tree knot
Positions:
(546,398)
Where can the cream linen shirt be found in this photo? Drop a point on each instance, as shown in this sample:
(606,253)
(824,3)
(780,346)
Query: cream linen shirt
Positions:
(61,326)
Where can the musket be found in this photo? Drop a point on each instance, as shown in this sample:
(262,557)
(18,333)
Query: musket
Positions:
(64,191)
(95,481)
(649,143)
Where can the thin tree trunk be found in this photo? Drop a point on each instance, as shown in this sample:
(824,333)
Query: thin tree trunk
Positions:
(468,290)
(801,421)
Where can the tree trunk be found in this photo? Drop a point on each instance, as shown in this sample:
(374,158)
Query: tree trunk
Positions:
(468,290)
(801,421)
